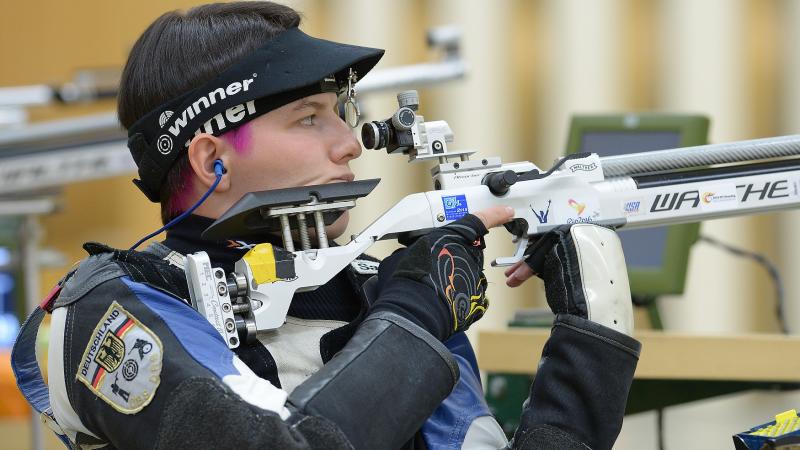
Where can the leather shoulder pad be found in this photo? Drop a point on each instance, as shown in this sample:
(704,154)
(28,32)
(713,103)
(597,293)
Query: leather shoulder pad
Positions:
(90,273)
(106,263)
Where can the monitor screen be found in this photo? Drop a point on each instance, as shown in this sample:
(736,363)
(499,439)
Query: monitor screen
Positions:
(613,143)
(643,248)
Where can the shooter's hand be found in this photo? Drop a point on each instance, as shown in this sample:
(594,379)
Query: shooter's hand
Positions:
(584,274)
(443,268)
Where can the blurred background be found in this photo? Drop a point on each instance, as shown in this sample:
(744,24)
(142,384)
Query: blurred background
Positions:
(531,66)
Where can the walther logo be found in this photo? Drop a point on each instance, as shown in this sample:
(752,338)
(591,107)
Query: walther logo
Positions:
(217,123)
(583,167)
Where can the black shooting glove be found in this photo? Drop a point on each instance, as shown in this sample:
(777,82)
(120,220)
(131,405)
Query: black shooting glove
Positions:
(438,281)
(553,258)
(584,274)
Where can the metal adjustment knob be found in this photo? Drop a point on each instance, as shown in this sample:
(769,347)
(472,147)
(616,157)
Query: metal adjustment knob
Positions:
(246,328)
(237,285)
(409,99)
(404,118)
(500,182)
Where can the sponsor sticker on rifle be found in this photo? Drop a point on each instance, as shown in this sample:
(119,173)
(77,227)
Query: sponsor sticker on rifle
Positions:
(122,362)
(541,210)
(632,207)
(581,209)
(719,197)
(455,207)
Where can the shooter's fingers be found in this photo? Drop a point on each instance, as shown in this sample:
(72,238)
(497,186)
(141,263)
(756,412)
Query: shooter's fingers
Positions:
(495,216)
(517,274)
(513,268)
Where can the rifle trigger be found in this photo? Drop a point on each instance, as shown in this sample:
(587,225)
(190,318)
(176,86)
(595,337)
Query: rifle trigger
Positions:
(519,254)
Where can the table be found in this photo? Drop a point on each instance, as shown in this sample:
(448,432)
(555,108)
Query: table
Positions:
(673,368)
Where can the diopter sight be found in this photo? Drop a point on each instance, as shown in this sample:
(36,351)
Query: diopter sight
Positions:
(407,132)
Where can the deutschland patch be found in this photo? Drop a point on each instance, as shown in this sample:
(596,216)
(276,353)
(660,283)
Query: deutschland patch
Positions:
(122,363)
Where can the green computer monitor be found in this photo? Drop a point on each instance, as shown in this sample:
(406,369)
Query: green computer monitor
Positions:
(656,257)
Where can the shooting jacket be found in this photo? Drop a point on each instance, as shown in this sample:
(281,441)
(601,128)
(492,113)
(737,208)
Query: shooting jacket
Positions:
(103,397)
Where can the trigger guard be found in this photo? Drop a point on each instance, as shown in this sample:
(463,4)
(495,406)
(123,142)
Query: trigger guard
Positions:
(519,255)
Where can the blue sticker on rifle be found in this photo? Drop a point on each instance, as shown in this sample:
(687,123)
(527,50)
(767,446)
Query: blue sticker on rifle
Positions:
(455,207)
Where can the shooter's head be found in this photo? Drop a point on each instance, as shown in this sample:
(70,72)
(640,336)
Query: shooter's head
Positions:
(240,83)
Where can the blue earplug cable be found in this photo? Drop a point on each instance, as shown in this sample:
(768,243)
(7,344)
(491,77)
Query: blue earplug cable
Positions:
(219,169)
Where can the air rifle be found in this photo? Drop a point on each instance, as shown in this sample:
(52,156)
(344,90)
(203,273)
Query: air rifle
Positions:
(637,190)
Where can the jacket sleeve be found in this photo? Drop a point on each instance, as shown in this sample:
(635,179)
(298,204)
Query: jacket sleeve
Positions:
(142,369)
(463,420)
(577,400)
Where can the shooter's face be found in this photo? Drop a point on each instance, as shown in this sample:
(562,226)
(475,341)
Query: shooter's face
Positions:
(299,144)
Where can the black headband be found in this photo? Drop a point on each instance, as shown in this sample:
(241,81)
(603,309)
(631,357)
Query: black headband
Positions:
(289,67)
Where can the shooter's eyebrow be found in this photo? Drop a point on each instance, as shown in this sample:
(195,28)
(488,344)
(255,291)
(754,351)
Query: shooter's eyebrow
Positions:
(306,103)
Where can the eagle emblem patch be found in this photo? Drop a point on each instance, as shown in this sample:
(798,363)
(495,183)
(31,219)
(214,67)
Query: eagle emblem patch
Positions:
(122,362)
